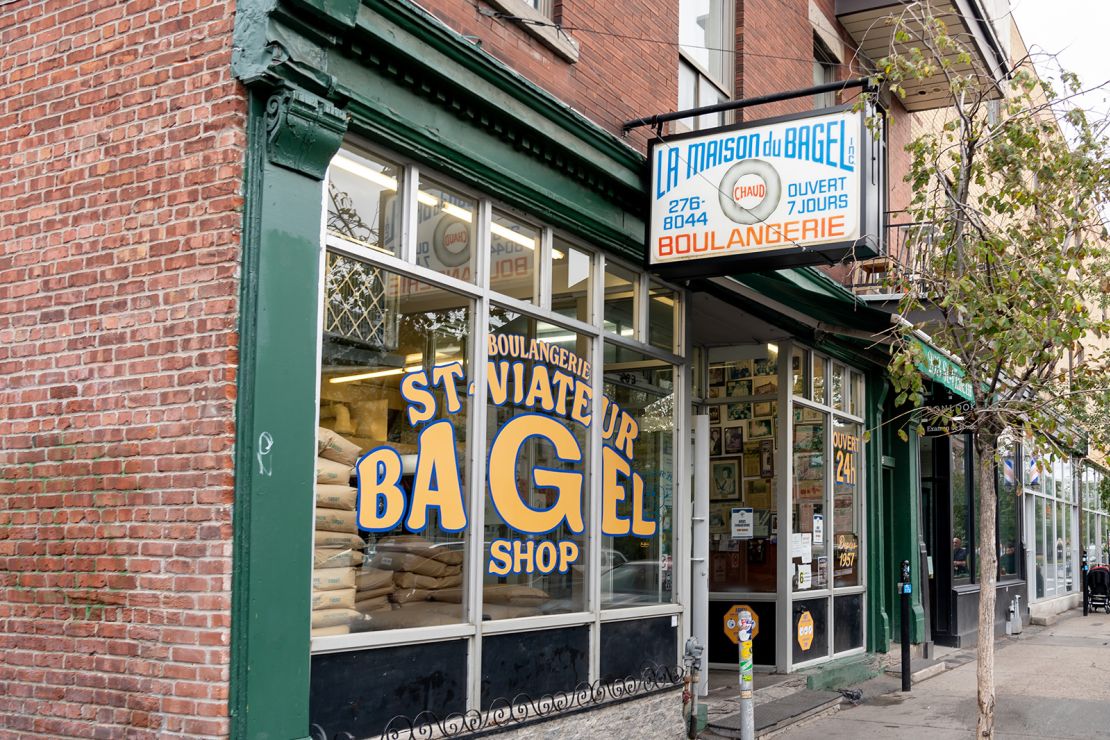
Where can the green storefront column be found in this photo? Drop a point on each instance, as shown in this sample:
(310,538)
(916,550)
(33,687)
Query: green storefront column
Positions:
(291,138)
(905,518)
(878,595)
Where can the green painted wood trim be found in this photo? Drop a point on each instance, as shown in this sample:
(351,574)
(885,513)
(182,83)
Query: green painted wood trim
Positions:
(878,596)
(275,442)
(906,519)
(417,87)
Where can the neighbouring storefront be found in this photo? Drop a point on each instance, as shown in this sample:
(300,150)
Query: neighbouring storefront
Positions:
(950,501)
(1052,512)
(1095,540)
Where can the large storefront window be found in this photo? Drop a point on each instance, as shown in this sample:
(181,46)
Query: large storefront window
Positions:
(1050,488)
(742,439)
(548,461)
(380,327)
(638,566)
(499,448)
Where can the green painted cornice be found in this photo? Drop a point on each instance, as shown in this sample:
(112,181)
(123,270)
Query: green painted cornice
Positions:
(414,85)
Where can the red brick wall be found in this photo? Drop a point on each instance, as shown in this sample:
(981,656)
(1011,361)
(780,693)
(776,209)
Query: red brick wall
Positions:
(121,144)
(616,77)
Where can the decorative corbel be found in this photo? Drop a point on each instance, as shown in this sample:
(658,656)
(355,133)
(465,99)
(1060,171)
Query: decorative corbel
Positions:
(303,131)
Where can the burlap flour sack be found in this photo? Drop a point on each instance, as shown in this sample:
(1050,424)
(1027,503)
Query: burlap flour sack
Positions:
(372,605)
(329,471)
(326,631)
(409,594)
(332,496)
(497,593)
(506,593)
(410,543)
(332,446)
(339,599)
(371,578)
(404,579)
(374,592)
(416,614)
(335,557)
(343,540)
(333,617)
(334,520)
(414,564)
(331,579)
(506,611)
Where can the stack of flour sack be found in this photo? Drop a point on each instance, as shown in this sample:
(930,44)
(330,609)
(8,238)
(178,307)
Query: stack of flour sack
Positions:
(338,548)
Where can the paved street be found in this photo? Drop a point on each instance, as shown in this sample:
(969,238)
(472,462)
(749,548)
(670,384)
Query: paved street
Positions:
(1052,682)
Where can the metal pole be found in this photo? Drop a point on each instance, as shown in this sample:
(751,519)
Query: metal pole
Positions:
(1083,580)
(662,118)
(906,589)
(747,700)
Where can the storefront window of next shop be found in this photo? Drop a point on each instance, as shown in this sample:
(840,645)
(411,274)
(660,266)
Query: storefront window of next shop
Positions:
(1048,488)
(497,434)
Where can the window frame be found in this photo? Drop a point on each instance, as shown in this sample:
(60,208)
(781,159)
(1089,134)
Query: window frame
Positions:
(482,297)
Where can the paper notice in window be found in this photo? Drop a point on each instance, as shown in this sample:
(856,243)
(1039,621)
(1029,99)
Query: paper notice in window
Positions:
(805,577)
(807,547)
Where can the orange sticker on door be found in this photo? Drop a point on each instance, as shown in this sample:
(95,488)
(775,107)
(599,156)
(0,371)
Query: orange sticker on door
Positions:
(805,630)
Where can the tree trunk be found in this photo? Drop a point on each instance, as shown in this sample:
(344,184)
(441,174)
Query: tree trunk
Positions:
(987,560)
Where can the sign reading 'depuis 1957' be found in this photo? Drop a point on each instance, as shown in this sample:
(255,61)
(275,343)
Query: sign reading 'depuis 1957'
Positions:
(774,193)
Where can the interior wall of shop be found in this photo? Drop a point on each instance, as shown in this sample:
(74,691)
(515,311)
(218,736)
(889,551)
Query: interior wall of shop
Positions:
(122,134)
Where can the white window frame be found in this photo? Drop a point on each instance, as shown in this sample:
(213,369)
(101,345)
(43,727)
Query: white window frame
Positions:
(472,628)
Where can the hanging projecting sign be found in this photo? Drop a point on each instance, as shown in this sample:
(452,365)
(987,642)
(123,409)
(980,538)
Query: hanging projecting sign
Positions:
(776,193)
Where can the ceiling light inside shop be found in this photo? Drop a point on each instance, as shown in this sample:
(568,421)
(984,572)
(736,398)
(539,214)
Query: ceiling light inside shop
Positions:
(374,374)
(772,351)
(366,173)
(514,236)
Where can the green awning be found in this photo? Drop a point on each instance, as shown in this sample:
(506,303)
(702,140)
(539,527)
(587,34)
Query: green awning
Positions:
(939,368)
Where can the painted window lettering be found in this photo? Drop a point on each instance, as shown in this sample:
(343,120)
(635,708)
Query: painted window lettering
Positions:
(555,387)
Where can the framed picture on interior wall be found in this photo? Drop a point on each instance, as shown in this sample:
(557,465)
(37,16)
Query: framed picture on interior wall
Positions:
(737,388)
(811,415)
(751,464)
(765,366)
(757,493)
(760,428)
(809,437)
(734,440)
(767,459)
(715,414)
(715,439)
(739,411)
(742,369)
(763,408)
(725,480)
(716,376)
(716,391)
(765,386)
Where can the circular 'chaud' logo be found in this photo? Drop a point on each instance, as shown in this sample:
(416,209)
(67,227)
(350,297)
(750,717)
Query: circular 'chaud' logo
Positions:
(750,191)
(451,242)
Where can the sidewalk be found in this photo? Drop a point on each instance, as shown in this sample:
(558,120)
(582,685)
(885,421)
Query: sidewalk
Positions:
(1050,682)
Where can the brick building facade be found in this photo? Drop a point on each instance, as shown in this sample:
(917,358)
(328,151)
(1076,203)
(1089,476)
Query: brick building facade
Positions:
(121,139)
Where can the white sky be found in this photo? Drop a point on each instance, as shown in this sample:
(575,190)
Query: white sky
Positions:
(1078,32)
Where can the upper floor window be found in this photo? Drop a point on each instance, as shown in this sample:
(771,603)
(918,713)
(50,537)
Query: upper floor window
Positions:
(824,72)
(706,31)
